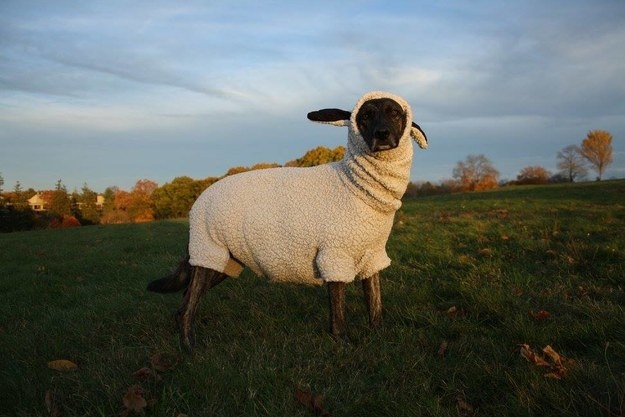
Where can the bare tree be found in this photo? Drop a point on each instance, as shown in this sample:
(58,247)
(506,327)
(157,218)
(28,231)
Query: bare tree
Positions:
(597,149)
(571,163)
(475,173)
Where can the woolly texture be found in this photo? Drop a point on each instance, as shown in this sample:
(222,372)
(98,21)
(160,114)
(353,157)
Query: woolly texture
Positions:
(324,223)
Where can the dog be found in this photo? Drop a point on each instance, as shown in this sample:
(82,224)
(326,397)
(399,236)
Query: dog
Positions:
(382,123)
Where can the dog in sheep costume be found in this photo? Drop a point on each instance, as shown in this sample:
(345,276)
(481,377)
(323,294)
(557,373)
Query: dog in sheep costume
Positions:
(323,224)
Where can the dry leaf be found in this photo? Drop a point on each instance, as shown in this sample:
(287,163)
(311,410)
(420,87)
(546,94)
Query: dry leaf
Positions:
(312,402)
(62,365)
(555,357)
(451,311)
(485,252)
(532,357)
(540,315)
(442,348)
(133,399)
(163,362)
(556,367)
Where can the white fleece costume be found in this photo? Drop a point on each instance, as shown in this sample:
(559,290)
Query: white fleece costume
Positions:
(308,225)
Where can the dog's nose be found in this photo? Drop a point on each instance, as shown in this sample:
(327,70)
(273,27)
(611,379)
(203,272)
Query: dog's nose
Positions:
(382,134)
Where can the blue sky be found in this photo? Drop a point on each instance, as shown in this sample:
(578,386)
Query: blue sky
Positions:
(110,92)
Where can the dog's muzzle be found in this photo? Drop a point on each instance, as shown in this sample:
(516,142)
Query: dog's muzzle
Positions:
(383,141)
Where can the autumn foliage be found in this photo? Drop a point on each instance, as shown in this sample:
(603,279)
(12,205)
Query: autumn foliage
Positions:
(597,149)
(533,175)
(475,173)
(319,155)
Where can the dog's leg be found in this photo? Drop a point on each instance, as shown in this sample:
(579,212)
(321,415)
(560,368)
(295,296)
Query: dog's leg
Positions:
(201,280)
(373,299)
(338,326)
(175,281)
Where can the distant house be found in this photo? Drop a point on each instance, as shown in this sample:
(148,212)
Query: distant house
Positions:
(40,201)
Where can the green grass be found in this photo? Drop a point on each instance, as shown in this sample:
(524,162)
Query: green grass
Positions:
(494,257)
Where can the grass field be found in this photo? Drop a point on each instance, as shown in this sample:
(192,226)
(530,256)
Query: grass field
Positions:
(474,278)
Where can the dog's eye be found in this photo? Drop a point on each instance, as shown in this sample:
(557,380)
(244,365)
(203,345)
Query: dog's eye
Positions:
(366,115)
(396,114)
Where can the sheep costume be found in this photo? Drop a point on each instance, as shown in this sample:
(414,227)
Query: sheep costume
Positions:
(319,224)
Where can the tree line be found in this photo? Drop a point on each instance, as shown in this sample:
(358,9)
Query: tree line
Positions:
(148,201)
(478,173)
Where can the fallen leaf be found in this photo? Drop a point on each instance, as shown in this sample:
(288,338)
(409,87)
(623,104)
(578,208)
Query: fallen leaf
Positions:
(442,349)
(540,315)
(485,252)
(451,311)
(62,365)
(532,357)
(557,370)
(133,399)
(312,402)
(555,357)
(163,362)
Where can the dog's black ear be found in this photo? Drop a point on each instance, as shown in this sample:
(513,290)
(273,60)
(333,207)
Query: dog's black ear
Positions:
(419,136)
(336,117)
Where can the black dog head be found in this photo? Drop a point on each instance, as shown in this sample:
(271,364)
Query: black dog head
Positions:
(381,123)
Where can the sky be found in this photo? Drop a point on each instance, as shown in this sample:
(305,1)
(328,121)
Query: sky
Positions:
(106,93)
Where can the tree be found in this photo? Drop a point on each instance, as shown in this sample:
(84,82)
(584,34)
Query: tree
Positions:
(571,163)
(1,185)
(139,201)
(87,200)
(236,170)
(109,199)
(475,173)
(174,199)
(597,149)
(318,156)
(533,175)
(116,202)
(60,204)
